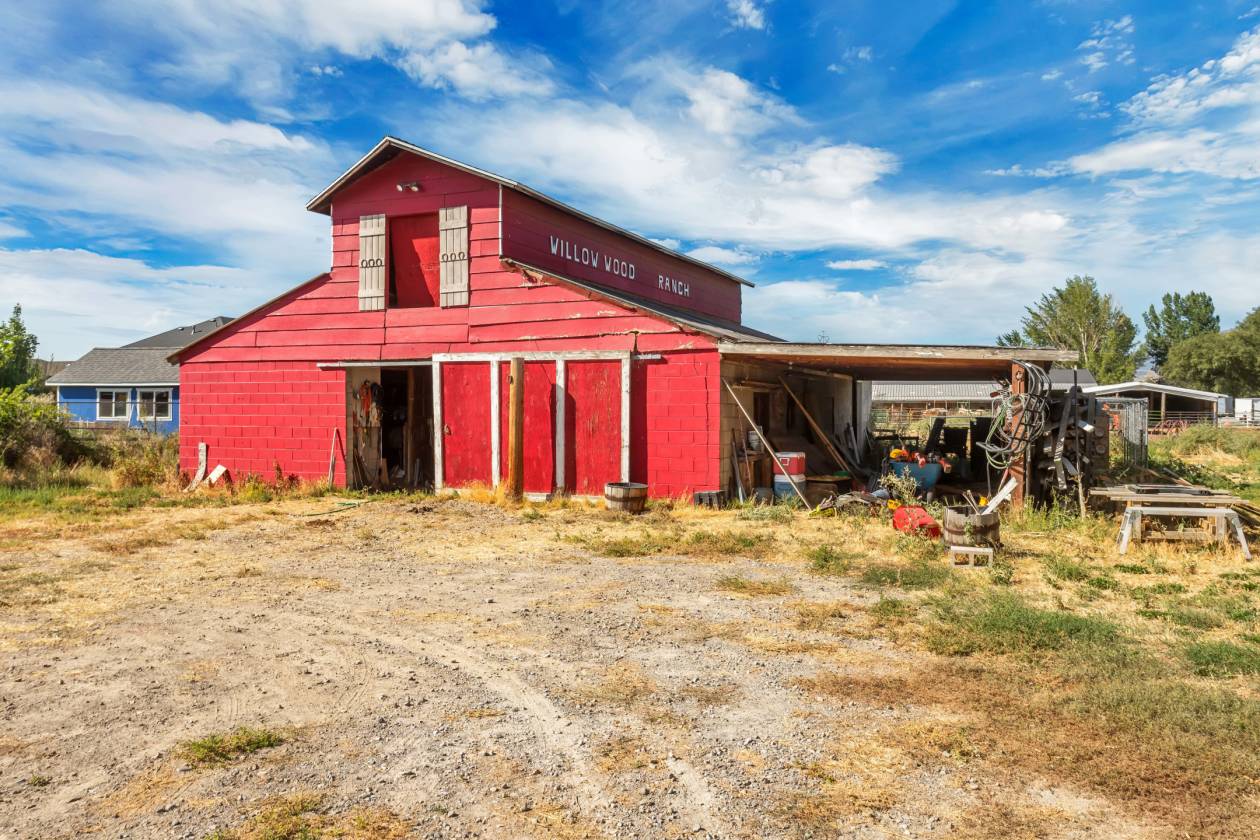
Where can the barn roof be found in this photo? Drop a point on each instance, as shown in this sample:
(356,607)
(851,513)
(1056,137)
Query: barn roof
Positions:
(1153,387)
(120,366)
(390,147)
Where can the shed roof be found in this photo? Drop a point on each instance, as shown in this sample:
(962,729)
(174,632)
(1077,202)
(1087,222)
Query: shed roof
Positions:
(932,391)
(120,366)
(391,147)
(1153,387)
(900,362)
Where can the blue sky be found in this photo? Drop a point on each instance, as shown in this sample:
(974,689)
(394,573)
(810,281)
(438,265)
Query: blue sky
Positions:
(900,172)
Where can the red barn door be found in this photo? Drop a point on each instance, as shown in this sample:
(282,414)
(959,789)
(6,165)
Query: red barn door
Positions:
(592,426)
(540,424)
(414,264)
(465,423)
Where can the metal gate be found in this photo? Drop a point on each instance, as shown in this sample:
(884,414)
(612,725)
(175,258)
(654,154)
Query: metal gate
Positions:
(1129,418)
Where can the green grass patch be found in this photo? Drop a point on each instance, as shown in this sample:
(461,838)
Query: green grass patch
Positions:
(829,560)
(915,575)
(888,611)
(1132,569)
(1222,659)
(728,544)
(1002,622)
(220,749)
(1064,568)
(1195,619)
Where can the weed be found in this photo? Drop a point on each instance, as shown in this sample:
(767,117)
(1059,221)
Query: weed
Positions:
(623,685)
(829,560)
(1064,568)
(917,549)
(729,544)
(1222,659)
(531,514)
(1002,622)
(298,816)
(38,781)
(1002,571)
(1132,569)
(1103,582)
(745,586)
(889,611)
(248,571)
(220,749)
(917,575)
(766,513)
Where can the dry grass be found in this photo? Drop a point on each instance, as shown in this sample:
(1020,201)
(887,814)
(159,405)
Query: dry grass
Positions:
(819,615)
(622,685)
(222,749)
(299,816)
(753,588)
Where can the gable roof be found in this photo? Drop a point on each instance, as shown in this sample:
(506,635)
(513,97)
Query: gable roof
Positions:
(120,366)
(1156,387)
(390,147)
(182,336)
(173,355)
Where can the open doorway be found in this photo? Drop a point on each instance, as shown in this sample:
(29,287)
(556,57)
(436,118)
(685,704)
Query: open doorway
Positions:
(407,427)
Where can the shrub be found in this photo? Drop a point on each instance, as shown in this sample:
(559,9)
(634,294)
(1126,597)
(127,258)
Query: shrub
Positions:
(34,432)
(1065,568)
(144,460)
(218,749)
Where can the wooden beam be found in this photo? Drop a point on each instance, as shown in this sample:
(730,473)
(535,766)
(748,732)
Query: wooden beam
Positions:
(773,455)
(516,429)
(822,436)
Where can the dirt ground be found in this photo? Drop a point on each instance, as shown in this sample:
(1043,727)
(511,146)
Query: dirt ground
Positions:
(453,669)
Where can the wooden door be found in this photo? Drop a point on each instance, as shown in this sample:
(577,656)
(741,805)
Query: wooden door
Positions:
(540,424)
(466,452)
(592,426)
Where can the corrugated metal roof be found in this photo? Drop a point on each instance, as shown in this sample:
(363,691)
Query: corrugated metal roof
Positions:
(120,366)
(932,391)
(1153,387)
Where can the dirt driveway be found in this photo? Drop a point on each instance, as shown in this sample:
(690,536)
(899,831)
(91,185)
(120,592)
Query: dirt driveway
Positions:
(451,669)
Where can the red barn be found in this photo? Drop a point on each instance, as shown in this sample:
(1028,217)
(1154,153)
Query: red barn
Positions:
(396,359)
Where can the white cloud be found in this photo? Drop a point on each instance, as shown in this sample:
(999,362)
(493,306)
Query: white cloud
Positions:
(255,47)
(856,265)
(718,101)
(863,53)
(1110,40)
(746,14)
(75,299)
(1206,121)
(671,244)
(730,257)
(1051,75)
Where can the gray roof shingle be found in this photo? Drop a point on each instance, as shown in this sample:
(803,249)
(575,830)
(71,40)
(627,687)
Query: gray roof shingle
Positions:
(120,366)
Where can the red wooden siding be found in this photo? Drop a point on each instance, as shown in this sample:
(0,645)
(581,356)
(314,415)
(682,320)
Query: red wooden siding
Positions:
(465,423)
(592,426)
(540,425)
(529,226)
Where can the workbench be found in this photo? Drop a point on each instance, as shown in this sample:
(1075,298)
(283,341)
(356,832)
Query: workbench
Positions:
(1175,501)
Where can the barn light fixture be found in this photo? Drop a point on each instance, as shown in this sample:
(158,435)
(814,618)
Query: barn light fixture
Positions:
(414,186)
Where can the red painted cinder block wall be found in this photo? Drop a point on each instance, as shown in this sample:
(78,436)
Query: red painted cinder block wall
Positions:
(255,415)
(674,422)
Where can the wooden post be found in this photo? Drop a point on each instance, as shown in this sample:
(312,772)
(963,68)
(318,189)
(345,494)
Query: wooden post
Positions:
(516,429)
(1019,460)
(1163,406)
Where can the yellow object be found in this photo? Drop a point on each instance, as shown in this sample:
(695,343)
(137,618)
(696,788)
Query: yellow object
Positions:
(893,504)
(899,454)
(983,501)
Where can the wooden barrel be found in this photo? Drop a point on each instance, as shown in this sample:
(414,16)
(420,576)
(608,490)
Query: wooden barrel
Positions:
(963,526)
(625,495)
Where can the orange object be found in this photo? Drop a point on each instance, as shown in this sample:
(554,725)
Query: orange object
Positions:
(915,520)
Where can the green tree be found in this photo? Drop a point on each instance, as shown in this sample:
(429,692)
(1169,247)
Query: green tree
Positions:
(1078,317)
(17,352)
(1178,318)
(1226,362)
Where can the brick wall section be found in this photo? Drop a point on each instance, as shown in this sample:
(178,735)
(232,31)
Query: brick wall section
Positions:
(675,407)
(254,415)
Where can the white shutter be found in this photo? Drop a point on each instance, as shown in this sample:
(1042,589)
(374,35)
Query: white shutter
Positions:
(453,235)
(371,262)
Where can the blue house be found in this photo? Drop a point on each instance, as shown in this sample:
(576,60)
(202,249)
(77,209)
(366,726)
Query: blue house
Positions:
(133,386)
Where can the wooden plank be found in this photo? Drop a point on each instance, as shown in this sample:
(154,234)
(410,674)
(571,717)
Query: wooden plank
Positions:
(569,329)
(530,311)
(516,429)
(453,254)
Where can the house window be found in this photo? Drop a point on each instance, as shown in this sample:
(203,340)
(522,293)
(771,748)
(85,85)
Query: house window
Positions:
(113,405)
(155,405)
